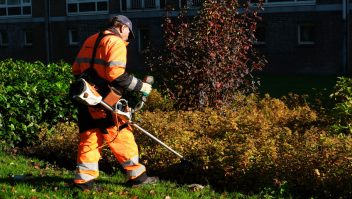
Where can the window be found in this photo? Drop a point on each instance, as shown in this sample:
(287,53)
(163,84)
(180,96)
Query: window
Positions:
(28,38)
(15,8)
(73,36)
(143,34)
(3,38)
(259,33)
(191,3)
(305,33)
(87,6)
(283,2)
(135,5)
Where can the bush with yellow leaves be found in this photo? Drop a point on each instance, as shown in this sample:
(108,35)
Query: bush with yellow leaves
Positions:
(265,142)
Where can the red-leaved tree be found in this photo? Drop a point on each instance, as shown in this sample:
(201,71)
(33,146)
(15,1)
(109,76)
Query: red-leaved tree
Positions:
(205,61)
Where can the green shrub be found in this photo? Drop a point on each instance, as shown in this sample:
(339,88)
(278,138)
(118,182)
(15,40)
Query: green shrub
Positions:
(342,112)
(32,93)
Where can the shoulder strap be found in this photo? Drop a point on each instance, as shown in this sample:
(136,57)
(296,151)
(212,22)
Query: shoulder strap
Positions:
(100,37)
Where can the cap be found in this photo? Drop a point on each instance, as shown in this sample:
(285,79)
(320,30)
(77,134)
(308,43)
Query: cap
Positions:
(123,19)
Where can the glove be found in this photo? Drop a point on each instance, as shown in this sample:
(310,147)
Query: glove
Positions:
(146,88)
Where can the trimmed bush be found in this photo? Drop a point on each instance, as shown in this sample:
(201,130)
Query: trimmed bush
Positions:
(32,93)
(265,144)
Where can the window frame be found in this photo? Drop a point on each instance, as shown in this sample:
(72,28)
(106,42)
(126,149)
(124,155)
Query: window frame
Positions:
(1,33)
(25,38)
(19,5)
(190,5)
(288,3)
(299,33)
(139,37)
(86,13)
(129,9)
(70,38)
(267,4)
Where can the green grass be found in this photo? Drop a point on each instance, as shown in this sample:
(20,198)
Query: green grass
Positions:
(279,85)
(49,181)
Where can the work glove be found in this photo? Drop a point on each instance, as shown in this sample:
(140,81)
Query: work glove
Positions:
(146,88)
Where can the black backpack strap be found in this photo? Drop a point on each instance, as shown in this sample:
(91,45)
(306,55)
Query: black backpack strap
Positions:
(100,37)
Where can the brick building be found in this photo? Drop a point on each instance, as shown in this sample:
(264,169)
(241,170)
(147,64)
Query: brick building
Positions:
(297,36)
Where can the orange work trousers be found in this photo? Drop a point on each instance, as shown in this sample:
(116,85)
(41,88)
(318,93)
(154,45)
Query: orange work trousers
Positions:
(95,124)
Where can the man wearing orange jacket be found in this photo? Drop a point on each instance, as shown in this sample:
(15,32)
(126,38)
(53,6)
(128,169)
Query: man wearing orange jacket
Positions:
(94,123)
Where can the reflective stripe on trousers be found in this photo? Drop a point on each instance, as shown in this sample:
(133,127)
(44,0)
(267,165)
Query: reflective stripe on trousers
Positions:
(124,148)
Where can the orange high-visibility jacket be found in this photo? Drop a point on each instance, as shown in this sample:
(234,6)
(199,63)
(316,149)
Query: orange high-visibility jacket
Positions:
(110,61)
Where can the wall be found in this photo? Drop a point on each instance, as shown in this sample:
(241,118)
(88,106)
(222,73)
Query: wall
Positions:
(16,48)
(62,49)
(286,57)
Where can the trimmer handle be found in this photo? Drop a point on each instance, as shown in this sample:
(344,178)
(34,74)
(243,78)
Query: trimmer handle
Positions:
(148,80)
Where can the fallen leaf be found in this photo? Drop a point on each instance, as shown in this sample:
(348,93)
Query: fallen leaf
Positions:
(152,192)
(45,195)
(196,189)
(34,197)
(135,197)
(20,196)
(111,193)
(167,197)
(13,189)
(55,189)
(105,191)
(37,166)
(224,195)
(65,193)
(33,190)
(12,163)
(86,191)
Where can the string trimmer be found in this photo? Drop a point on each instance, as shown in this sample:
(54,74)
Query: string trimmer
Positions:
(88,95)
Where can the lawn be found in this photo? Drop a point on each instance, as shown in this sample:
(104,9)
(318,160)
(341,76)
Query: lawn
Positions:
(48,181)
(279,85)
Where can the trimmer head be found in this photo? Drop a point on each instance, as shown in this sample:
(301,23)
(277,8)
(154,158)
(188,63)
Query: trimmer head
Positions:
(181,167)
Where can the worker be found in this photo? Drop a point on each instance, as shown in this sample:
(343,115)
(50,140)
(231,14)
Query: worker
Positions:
(96,124)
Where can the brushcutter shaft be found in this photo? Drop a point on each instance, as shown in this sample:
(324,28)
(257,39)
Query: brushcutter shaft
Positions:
(144,131)
(156,139)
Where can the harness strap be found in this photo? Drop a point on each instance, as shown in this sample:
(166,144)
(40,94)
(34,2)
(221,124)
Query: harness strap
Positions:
(100,37)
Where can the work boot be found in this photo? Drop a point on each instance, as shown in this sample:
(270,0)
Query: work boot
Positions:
(97,187)
(149,180)
(88,185)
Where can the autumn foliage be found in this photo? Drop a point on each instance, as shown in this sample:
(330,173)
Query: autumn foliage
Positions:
(206,59)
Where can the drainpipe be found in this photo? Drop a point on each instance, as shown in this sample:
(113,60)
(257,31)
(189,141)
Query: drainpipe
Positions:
(50,35)
(344,46)
(47,31)
(349,70)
